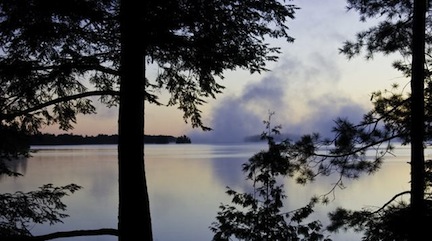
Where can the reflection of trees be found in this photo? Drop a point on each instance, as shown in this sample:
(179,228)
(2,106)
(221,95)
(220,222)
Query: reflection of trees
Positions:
(226,163)
(228,171)
(18,165)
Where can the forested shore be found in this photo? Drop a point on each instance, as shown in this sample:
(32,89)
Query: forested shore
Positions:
(71,139)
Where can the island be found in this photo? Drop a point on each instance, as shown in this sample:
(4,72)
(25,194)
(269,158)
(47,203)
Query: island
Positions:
(183,140)
(71,139)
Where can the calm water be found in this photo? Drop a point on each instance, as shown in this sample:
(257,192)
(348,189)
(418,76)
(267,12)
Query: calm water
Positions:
(186,185)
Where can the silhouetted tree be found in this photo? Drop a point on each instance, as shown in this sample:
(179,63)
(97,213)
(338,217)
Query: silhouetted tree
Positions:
(38,68)
(21,210)
(183,139)
(194,45)
(50,48)
(403,31)
(260,214)
(418,204)
(397,116)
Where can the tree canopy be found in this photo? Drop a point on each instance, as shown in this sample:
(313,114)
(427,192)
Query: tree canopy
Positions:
(56,54)
(397,116)
(260,213)
(392,119)
(50,51)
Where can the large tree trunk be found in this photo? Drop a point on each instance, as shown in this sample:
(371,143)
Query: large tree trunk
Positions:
(418,207)
(134,207)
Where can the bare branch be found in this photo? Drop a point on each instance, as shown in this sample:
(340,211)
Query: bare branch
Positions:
(391,200)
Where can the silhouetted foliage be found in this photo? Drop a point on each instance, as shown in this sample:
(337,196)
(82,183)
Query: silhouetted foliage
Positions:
(260,215)
(56,54)
(183,140)
(346,154)
(387,223)
(13,144)
(39,68)
(20,211)
(404,29)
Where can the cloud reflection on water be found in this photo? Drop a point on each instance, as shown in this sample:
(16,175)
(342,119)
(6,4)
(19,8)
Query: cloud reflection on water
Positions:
(186,184)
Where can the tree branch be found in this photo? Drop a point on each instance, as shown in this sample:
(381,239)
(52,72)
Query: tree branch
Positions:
(391,200)
(66,234)
(55,101)
(358,149)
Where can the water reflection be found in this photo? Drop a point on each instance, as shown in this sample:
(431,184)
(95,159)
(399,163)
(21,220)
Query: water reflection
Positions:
(18,165)
(227,161)
(186,184)
(184,190)
(92,207)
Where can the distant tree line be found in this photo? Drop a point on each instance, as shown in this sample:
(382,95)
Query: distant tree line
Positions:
(71,139)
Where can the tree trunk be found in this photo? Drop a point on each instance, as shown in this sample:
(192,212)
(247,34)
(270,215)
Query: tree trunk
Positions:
(418,206)
(134,207)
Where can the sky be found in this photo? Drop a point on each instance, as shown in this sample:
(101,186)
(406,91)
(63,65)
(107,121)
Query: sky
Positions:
(309,86)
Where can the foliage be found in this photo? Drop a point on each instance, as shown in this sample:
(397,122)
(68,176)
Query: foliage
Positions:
(355,149)
(360,148)
(390,119)
(47,47)
(20,210)
(386,223)
(40,66)
(57,54)
(13,144)
(260,215)
(53,54)
(204,39)
(392,34)
(183,139)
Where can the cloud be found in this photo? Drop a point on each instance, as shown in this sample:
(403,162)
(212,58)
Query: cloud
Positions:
(324,111)
(231,122)
(303,95)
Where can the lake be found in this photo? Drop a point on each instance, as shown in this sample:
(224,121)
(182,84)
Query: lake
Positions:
(187,183)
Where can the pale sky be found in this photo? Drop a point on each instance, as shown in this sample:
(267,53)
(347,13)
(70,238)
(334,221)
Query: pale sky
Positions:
(307,88)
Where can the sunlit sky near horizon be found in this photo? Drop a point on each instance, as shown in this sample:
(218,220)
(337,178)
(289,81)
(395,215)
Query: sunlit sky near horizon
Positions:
(308,87)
